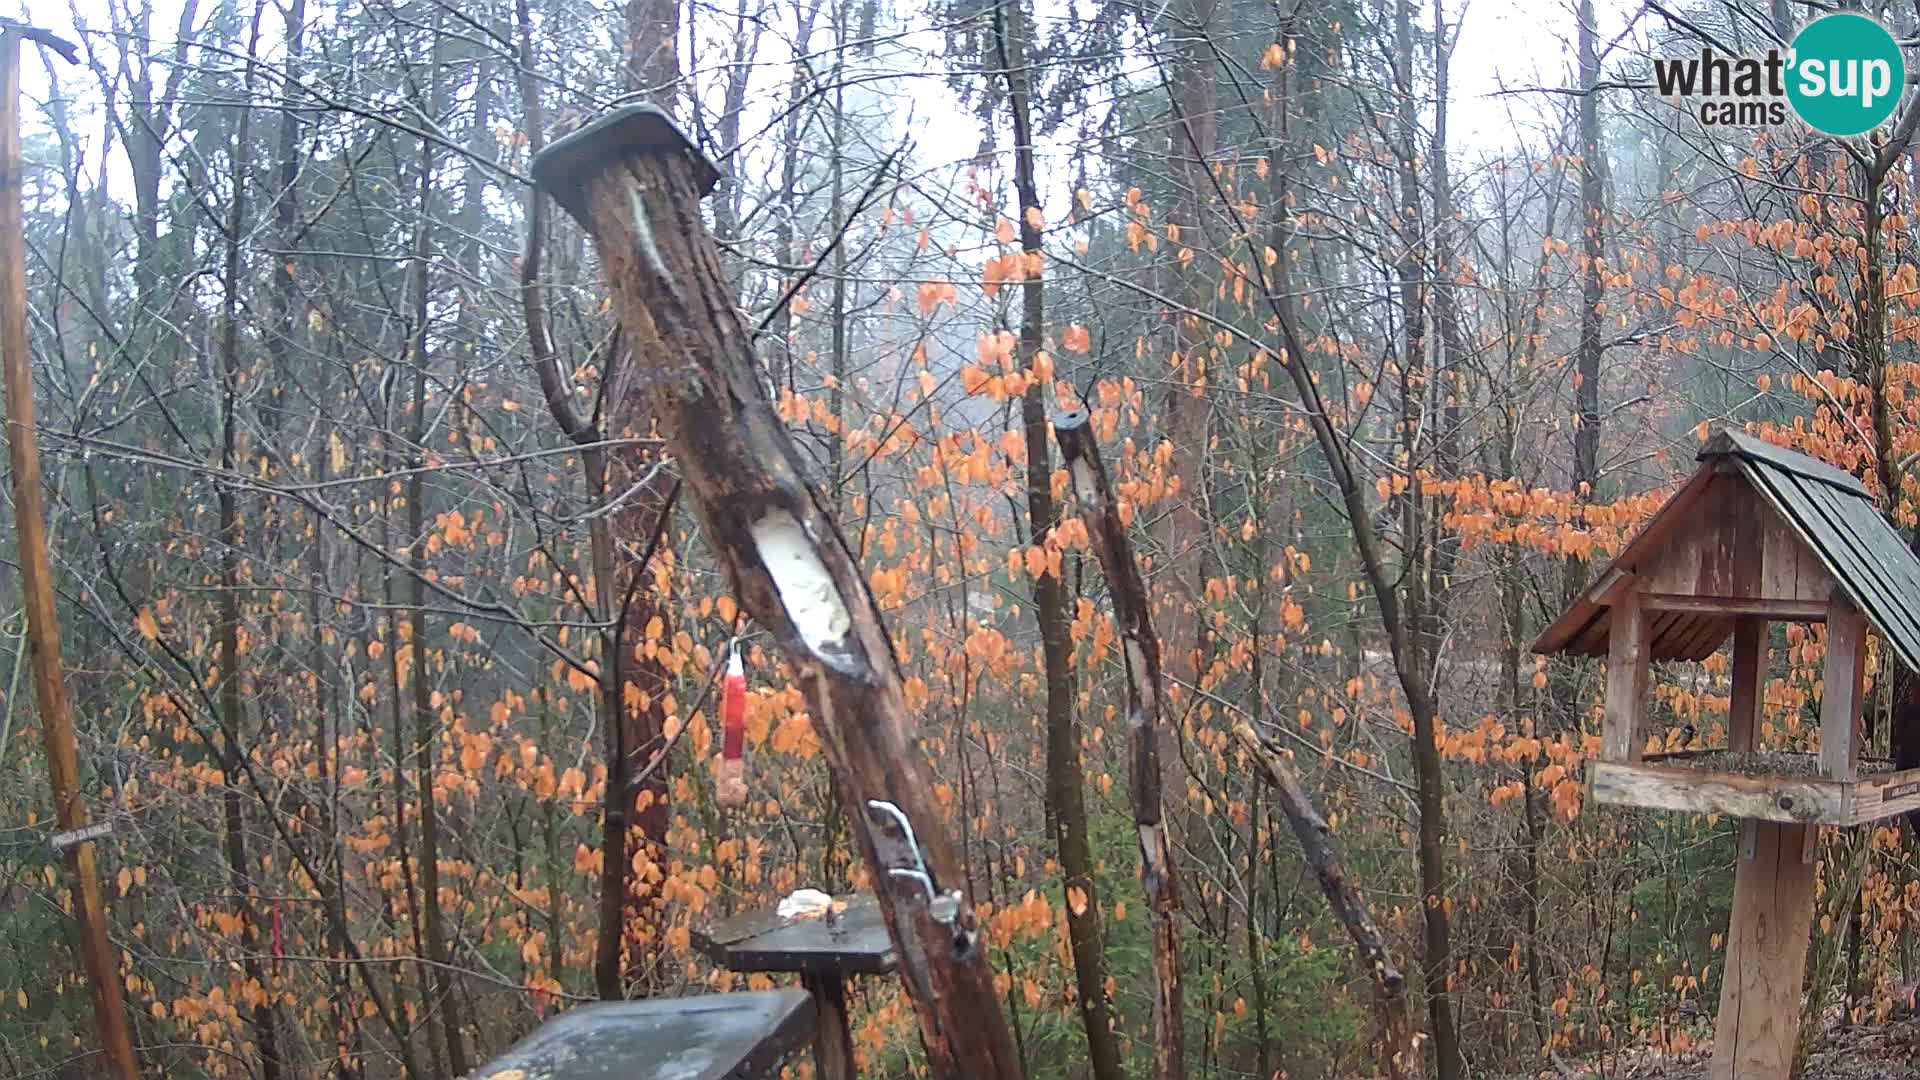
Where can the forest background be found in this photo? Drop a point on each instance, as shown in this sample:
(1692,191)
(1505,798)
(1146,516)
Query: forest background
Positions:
(1394,319)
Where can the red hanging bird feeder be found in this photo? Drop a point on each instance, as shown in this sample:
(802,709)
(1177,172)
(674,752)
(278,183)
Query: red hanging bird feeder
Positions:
(730,779)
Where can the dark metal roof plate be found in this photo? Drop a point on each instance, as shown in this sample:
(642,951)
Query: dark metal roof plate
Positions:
(709,1037)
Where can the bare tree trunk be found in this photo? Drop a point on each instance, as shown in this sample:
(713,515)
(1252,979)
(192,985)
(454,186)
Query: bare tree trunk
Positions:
(1593,225)
(1066,794)
(97,955)
(786,231)
(1192,139)
(790,567)
(443,1002)
(1141,646)
(232,543)
(1421,635)
(653,51)
(1399,1055)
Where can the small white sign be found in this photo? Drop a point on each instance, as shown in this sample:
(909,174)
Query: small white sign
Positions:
(62,841)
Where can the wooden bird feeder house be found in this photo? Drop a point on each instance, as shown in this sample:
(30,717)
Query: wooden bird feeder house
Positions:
(1758,535)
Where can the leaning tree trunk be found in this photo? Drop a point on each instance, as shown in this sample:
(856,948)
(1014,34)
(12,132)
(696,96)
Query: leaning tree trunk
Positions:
(635,182)
(1399,1056)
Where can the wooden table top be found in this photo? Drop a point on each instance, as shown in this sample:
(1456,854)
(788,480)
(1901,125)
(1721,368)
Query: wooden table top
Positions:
(744,1036)
(856,943)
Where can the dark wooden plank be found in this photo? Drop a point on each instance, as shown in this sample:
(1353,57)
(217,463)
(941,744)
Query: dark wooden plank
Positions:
(1749,684)
(1698,636)
(1647,543)
(1886,795)
(1840,734)
(1760,451)
(1733,606)
(833,1049)
(712,1037)
(856,943)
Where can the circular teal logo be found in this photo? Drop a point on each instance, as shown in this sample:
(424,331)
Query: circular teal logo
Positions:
(1845,74)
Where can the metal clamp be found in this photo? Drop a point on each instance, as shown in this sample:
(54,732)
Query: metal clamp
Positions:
(907,861)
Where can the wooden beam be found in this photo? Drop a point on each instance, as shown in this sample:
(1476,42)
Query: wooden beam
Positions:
(1885,795)
(99,958)
(1734,606)
(833,1043)
(1749,683)
(1623,733)
(1697,791)
(1840,699)
(1766,956)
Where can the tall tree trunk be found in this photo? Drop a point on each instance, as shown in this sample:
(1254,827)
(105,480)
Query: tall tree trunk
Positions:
(1422,636)
(232,543)
(652,51)
(1192,140)
(443,1003)
(786,244)
(1593,236)
(1146,714)
(1066,786)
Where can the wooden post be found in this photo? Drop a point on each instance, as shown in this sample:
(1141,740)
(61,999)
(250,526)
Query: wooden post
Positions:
(1624,729)
(1759,1020)
(635,182)
(1846,671)
(1749,683)
(1081,455)
(1399,1057)
(833,1045)
(98,956)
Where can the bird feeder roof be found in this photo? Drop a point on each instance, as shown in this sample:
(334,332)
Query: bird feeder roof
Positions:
(1840,536)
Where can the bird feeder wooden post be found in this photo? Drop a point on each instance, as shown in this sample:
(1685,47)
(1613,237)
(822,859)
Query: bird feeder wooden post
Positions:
(635,182)
(824,950)
(1758,535)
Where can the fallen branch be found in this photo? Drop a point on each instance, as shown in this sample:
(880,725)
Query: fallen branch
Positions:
(1399,1052)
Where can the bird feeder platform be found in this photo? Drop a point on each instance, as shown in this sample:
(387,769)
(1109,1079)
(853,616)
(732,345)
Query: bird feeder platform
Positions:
(746,1036)
(1758,535)
(824,951)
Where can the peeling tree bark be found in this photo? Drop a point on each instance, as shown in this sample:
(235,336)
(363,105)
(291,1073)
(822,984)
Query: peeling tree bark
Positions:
(633,180)
(1142,651)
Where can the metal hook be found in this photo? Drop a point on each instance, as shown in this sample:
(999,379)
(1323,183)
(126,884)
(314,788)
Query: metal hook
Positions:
(943,906)
(906,827)
(916,875)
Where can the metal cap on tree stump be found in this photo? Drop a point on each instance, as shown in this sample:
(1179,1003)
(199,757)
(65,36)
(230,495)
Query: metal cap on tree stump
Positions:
(643,128)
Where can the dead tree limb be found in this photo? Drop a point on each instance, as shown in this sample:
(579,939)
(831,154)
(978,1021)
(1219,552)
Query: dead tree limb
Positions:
(1398,1056)
(1081,454)
(635,182)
